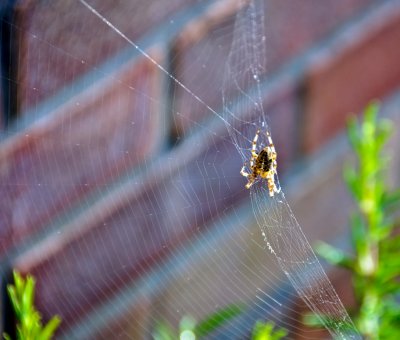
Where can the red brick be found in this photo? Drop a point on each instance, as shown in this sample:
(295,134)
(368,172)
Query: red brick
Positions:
(126,237)
(144,233)
(62,40)
(367,70)
(323,188)
(133,229)
(77,149)
(282,112)
(132,322)
(290,28)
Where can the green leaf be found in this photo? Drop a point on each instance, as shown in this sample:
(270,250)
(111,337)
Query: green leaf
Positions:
(389,249)
(12,293)
(28,293)
(333,255)
(370,114)
(352,181)
(382,232)
(217,319)
(163,331)
(6,336)
(267,331)
(313,320)
(18,283)
(353,135)
(20,334)
(48,331)
(358,233)
(384,130)
(391,200)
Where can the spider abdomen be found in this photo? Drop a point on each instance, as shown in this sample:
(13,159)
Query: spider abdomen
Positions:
(263,162)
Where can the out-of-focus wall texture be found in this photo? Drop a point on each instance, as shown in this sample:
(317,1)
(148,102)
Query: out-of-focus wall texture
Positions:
(83,113)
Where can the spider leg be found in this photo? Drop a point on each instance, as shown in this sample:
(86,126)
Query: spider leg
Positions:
(269,139)
(277,190)
(271,186)
(254,147)
(249,184)
(249,177)
(243,172)
(252,159)
(271,148)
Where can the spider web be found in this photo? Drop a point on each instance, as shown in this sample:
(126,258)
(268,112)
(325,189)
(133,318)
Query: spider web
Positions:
(280,229)
(185,186)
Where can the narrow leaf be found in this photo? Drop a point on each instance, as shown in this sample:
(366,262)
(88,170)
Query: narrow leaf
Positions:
(334,255)
(217,319)
(28,293)
(12,293)
(48,331)
(6,336)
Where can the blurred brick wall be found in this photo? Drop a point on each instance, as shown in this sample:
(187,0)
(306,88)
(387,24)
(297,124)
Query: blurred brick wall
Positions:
(324,61)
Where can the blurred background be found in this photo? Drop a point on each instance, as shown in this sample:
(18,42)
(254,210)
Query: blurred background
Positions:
(120,189)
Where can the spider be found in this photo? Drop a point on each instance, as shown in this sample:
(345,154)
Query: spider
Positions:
(262,165)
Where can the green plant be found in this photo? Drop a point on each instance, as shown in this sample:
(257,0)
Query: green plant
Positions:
(267,331)
(375,265)
(190,330)
(29,324)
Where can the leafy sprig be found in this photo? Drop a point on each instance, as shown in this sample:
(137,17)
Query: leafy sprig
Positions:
(375,265)
(29,321)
